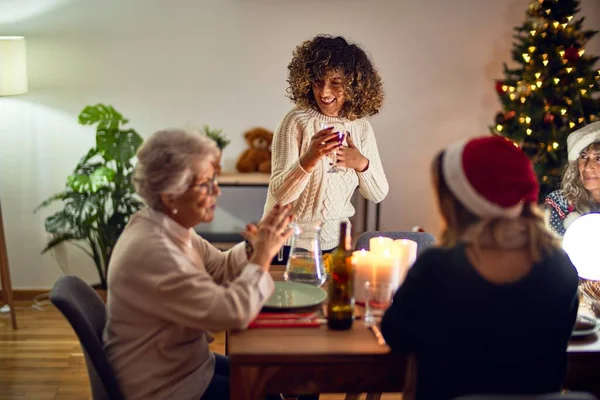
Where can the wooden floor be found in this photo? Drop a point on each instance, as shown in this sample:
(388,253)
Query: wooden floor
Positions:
(42,360)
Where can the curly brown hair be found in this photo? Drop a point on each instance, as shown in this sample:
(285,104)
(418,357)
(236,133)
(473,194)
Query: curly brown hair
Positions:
(314,59)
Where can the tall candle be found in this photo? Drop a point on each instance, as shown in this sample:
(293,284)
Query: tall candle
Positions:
(406,251)
(387,268)
(409,251)
(379,244)
(363,263)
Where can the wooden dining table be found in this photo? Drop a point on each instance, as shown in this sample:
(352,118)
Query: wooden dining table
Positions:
(319,360)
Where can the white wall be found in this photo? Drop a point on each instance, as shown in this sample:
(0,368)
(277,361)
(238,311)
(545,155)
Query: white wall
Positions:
(190,62)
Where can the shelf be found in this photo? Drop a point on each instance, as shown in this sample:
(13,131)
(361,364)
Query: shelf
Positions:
(228,179)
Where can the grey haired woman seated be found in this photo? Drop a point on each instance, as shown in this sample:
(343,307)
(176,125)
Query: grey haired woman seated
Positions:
(168,288)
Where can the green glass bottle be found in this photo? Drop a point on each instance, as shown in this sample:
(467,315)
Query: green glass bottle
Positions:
(340,306)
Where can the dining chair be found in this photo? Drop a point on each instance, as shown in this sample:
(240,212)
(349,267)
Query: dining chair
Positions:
(424,240)
(86,312)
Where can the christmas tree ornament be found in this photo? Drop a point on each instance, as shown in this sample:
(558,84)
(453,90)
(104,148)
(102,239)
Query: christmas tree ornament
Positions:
(572,54)
(534,7)
(500,119)
(500,87)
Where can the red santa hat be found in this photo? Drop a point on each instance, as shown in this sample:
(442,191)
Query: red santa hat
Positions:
(490,176)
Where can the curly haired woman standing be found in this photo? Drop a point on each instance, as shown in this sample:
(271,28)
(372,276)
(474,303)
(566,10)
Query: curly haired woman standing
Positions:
(330,81)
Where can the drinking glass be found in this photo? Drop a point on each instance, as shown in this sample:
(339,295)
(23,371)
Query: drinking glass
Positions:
(340,129)
(378,297)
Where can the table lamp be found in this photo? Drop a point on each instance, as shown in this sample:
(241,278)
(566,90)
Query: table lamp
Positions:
(13,81)
(580,242)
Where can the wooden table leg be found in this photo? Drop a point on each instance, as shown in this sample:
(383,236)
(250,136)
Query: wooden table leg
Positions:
(246,383)
(5,274)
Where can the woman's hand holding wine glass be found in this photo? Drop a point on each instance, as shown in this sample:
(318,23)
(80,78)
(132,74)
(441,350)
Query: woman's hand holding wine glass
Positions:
(350,157)
(321,144)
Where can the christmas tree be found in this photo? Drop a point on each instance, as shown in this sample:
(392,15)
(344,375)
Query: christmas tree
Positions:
(552,91)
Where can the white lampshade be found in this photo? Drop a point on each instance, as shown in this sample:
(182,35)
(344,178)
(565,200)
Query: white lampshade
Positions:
(581,244)
(13,65)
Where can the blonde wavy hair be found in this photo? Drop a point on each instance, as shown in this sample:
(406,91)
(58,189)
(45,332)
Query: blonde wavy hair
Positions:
(572,186)
(459,221)
(314,59)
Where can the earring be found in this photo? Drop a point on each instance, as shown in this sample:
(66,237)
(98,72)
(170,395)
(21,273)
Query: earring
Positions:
(174,211)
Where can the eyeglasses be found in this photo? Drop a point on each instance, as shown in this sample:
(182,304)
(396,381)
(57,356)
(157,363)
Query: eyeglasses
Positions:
(209,185)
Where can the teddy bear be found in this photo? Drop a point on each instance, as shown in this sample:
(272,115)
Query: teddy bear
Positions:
(258,157)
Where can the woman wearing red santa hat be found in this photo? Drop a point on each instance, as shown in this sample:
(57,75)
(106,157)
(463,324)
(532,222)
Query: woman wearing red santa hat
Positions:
(491,310)
(580,188)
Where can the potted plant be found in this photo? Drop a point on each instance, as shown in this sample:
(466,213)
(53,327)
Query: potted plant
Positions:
(220,139)
(98,198)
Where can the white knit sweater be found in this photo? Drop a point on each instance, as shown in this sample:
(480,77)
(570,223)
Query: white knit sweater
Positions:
(318,195)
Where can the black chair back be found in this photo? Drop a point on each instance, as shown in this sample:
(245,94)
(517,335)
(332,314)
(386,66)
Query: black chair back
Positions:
(86,312)
(424,240)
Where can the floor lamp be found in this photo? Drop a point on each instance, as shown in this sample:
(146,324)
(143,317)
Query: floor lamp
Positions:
(13,81)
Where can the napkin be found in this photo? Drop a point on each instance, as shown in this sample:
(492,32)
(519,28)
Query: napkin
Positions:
(311,319)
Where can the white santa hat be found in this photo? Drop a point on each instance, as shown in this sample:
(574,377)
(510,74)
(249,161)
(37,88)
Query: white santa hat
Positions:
(582,138)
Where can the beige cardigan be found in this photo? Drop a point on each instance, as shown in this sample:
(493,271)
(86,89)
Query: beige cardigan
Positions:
(167,289)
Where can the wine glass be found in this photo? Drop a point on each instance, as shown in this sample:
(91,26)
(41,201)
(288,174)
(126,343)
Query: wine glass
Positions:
(340,129)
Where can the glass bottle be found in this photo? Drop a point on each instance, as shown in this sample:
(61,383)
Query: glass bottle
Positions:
(340,305)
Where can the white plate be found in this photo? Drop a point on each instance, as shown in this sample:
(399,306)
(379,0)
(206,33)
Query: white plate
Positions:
(295,295)
(586,332)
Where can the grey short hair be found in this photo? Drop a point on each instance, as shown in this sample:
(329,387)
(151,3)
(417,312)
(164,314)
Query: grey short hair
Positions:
(164,161)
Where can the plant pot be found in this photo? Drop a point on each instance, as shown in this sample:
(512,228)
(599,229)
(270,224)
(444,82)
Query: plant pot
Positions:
(102,293)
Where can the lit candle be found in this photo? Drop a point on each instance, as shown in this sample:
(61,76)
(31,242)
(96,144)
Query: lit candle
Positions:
(379,244)
(387,268)
(387,262)
(363,262)
(406,251)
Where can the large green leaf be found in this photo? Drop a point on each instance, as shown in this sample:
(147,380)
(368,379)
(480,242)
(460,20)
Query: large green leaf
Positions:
(105,116)
(59,223)
(99,178)
(81,207)
(120,146)
(85,159)
(58,239)
(51,199)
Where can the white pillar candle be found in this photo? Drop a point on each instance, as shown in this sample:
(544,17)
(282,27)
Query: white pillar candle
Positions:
(409,251)
(377,245)
(363,263)
(387,268)
(406,251)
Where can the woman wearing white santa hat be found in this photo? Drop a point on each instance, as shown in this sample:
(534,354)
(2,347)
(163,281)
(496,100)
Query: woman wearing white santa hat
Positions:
(580,189)
(469,308)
